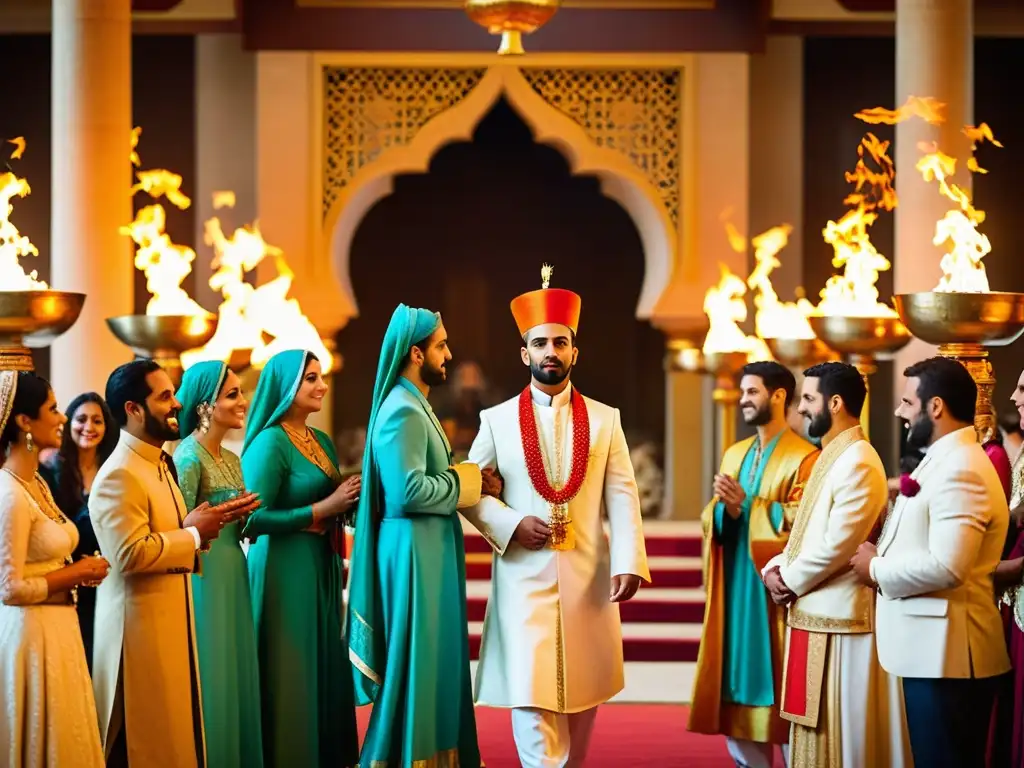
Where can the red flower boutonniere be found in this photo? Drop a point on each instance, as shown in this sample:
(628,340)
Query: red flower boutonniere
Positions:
(909,487)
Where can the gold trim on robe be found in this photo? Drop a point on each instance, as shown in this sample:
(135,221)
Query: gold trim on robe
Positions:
(790,464)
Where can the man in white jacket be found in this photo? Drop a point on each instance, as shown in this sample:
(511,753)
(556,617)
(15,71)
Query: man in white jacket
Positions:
(938,625)
(552,642)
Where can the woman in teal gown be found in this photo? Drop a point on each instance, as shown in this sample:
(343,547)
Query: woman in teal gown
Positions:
(408,636)
(294,573)
(213,403)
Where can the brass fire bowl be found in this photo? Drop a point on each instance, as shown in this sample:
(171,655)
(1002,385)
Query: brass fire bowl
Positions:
(800,353)
(861,337)
(511,19)
(164,337)
(962,325)
(33,319)
(683,349)
(988,319)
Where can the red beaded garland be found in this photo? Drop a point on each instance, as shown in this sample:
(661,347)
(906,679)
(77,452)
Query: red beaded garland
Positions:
(535,459)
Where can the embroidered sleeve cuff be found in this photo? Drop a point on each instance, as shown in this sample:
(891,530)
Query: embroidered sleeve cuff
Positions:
(470,484)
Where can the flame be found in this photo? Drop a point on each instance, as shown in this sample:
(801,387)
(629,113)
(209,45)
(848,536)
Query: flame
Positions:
(962,267)
(13,244)
(165,264)
(776,319)
(725,307)
(248,315)
(928,108)
(853,293)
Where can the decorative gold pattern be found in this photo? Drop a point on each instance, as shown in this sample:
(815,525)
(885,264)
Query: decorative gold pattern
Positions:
(636,112)
(633,111)
(800,620)
(817,668)
(559,659)
(306,443)
(820,744)
(828,457)
(370,110)
(447,759)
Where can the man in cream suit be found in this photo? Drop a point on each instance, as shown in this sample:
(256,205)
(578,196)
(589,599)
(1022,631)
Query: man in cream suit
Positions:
(938,624)
(145,672)
(552,643)
(845,710)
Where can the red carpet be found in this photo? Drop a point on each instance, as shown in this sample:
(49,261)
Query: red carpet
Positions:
(633,735)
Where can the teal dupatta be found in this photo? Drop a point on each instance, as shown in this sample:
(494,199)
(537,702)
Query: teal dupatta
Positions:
(200,384)
(275,392)
(367,649)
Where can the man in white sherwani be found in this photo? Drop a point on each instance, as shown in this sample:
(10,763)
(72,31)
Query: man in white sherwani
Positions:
(845,710)
(552,642)
(939,628)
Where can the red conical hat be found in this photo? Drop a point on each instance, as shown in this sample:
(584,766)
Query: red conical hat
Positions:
(548,305)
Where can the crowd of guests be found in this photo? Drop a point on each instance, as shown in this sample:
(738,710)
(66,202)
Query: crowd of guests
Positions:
(853,627)
(100,666)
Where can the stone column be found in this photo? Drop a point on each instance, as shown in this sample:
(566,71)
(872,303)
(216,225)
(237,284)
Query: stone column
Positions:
(934,57)
(225,144)
(91,105)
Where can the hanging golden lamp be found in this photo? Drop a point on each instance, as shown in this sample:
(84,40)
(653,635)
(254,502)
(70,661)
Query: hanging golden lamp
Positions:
(511,19)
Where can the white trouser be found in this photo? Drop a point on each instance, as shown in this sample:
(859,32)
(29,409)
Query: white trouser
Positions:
(546,739)
(754,754)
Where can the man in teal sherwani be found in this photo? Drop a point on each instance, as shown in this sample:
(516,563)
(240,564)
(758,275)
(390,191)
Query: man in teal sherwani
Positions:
(408,636)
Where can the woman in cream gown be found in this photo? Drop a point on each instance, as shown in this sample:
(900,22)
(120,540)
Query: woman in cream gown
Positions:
(47,712)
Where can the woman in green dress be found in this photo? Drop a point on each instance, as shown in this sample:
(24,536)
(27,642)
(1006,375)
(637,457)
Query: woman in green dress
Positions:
(294,572)
(212,404)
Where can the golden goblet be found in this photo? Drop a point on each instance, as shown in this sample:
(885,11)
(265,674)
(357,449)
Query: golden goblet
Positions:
(862,340)
(962,325)
(511,19)
(33,319)
(164,337)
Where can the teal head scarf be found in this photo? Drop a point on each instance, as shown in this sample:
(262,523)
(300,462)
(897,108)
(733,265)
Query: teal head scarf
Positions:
(200,384)
(279,381)
(366,620)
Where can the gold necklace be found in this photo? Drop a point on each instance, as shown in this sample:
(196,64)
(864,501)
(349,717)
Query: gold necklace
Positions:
(310,447)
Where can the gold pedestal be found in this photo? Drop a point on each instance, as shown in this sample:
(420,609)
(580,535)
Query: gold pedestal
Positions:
(962,325)
(33,319)
(164,337)
(862,340)
(725,366)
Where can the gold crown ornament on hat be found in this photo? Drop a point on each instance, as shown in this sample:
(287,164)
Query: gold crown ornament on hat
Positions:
(548,305)
(511,19)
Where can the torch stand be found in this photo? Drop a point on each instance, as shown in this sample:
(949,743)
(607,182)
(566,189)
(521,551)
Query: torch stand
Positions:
(164,337)
(962,325)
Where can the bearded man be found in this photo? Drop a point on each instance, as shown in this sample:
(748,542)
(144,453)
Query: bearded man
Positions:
(738,684)
(145,671)
(552,643)
(938,626)
(844,709)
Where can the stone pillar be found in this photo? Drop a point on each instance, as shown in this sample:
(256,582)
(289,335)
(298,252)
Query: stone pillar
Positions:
(290,212)
(225,144)
(715,179)
(91,123)
(934,57)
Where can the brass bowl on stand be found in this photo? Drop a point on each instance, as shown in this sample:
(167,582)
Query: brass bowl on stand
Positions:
(33,319)
(164,337)
(962,325)
(511,19)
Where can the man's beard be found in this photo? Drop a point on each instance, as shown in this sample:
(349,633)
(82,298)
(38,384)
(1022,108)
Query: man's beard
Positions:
(160,430)
(433,377)
(761,415)
(919,436)
(554,376)
(819,424)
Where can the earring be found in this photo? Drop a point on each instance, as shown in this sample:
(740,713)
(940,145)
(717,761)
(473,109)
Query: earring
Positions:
(205,412)
(30,444)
